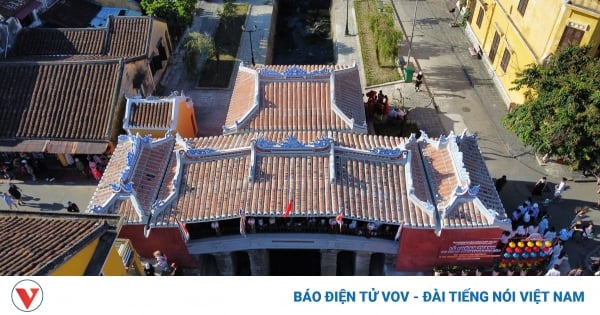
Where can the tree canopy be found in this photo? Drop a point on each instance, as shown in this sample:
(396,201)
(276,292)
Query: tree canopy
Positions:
(387,35)
(196,45)
(561,113)
(179,14)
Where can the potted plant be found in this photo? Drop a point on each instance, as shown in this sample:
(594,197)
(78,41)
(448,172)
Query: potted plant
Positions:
(510,270)
(452,270)
(437,271)
(479,271)
(465,271)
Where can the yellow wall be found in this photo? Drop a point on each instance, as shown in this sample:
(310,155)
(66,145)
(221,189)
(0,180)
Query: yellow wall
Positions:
(529,38)
(78,263)
(186,120)
(114,264)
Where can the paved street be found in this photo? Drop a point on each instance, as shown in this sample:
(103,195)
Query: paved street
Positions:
(458,94)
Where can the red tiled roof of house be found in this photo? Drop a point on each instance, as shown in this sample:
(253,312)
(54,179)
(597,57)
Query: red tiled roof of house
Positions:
(123,37)
(150,114)
(213,177)
(140,169)
(296,98)
(35,244)
(61,42)
(58,100)
(129,36)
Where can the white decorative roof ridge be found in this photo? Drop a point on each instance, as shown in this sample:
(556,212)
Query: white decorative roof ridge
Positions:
(362,127)
(255,105)
(294,71)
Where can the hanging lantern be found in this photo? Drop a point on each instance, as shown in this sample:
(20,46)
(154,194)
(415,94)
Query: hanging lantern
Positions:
(538,243)
(518,250)
(512,245)
(548,244)
(509,250)
(530,244)
(521,244)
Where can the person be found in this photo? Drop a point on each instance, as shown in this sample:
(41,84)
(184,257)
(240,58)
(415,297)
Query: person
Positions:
(16,193)
(576,272)
(148,269)
(578,230)
(29,170)
(554,271)
(589,231)
(80,166)
(380,97)
(560,188)
(72,207)
(500,182)
(419,81)
(539,187)
(161,261)
(9,201)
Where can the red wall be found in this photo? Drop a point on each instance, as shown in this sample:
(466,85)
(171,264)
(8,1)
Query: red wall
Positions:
(420,249)
(168,240)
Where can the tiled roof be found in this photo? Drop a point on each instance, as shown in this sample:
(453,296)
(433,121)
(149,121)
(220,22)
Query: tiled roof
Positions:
(61,42)
(58,100)
(137,168)
(369,178)
(129,36)
(296,98)
(35,244)
(150,114)
(123,37)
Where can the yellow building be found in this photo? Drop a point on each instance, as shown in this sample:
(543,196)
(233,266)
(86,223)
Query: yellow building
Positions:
(513,34)
(158,116)
(59,244)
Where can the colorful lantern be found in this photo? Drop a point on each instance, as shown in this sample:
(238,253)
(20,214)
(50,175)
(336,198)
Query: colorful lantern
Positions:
(509,250)
(530,244)
(512,245)
(538,243)
(548,244)
(521,244)
(506,255)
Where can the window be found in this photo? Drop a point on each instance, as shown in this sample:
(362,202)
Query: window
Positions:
(480,17)
(494,48)
(505,60)
(522,6)
(571,36)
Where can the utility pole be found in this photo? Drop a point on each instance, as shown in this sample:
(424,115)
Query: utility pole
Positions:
(412,33)
(251,49)
(347,31)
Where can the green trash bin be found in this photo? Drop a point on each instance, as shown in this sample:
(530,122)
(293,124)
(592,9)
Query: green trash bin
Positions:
(408,74)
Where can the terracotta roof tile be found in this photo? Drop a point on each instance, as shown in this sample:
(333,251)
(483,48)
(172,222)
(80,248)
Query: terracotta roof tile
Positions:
(61,41)
(295,98)
(31,243)
(129,36)
(58,100)
(151,114)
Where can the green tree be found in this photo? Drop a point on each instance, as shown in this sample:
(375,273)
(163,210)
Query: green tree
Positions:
(195,46)
(561,114)
(387,35)
(179,14)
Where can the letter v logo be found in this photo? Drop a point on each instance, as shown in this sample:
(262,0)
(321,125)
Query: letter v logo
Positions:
(25,298)
(27,295)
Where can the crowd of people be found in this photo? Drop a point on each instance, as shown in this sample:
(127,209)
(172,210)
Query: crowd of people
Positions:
(531,220)
(378,106)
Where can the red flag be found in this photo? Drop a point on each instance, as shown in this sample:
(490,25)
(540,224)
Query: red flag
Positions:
(289,208)
(340,220)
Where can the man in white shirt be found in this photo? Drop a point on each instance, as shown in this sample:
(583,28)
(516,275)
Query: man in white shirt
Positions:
(554,271)
(560,188)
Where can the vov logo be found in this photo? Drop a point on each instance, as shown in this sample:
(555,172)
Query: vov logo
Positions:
(27,295)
